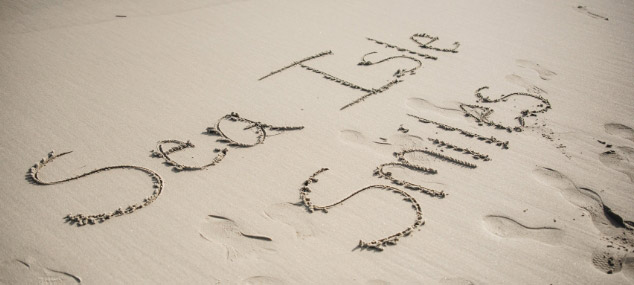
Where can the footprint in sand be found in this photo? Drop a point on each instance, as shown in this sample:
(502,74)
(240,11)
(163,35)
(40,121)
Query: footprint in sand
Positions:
(420,104)
(294,216)
(609,261)
(628,267)
(28,271)
(227,233)
(508,228)
(543,73)
(352,136)
(521,82)
(620,159)
(604,219)
(423,106)
(262,280)
(587,200)
(398,139)
(620,130)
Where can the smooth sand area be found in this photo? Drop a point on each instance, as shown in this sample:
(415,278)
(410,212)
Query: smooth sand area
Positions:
(465,142)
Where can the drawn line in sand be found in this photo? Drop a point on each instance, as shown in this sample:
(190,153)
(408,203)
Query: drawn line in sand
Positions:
(364,62)
(375,244)
(373,92)
(489,140)
(296,63)
(260,130)
(474,154)
(398,73)
(446,158)
(369,91)
(403,162)
(508,228)
(74,277)
(336,79)
(593,15)
(482,114)
(425,56)
(82,219)
(180,145)
(381,173)
(427,45)
(402,129)
(18,271)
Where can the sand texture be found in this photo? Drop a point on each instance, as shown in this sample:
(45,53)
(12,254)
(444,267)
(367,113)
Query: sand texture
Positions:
(316,142)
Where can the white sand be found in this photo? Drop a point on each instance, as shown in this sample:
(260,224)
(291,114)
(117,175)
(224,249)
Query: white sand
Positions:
(74,76)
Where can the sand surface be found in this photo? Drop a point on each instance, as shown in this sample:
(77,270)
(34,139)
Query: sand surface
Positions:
(528,181)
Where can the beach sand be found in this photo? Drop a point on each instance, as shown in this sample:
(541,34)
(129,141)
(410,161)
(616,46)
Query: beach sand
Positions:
(195,129)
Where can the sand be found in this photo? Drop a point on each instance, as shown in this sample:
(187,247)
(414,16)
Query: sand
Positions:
(466,143)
